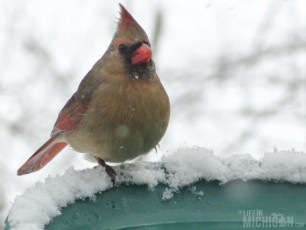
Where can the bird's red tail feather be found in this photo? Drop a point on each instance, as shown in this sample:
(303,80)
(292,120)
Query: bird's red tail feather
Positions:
(43,155)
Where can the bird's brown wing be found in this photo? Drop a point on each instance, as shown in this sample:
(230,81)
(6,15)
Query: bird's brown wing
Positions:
(70,117)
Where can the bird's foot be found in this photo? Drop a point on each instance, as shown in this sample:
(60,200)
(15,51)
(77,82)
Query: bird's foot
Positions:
(109,170)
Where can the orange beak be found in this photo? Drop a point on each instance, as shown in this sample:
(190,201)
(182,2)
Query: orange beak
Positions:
(142,55)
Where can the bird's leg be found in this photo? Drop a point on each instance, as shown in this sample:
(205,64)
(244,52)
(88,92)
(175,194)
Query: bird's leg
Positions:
(110,171)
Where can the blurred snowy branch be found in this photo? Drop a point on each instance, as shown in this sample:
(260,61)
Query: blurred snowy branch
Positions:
(45,62)
(229,68)
(228,63)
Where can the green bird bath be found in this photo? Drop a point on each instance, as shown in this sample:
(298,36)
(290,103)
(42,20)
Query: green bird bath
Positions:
(203,205)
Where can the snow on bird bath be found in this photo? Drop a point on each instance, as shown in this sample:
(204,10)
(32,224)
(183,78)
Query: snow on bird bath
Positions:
(39,204)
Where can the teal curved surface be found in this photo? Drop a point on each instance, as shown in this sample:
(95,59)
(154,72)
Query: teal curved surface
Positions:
(234,205)
(203,205)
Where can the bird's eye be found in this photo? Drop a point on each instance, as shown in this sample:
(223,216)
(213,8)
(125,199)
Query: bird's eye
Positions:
(122,49)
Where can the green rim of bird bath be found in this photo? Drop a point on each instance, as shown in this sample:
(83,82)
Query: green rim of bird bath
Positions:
(206,192)
(203,205)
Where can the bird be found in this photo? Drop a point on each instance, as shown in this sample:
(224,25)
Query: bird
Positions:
(120,109)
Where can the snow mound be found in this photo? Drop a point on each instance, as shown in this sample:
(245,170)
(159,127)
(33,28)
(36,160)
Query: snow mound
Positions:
(39,204)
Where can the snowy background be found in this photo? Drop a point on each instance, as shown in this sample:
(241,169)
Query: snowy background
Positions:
(234,70)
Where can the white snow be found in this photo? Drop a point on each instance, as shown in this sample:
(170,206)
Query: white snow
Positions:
(39,204)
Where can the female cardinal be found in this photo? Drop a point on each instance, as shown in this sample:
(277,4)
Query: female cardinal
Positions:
(120,109)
